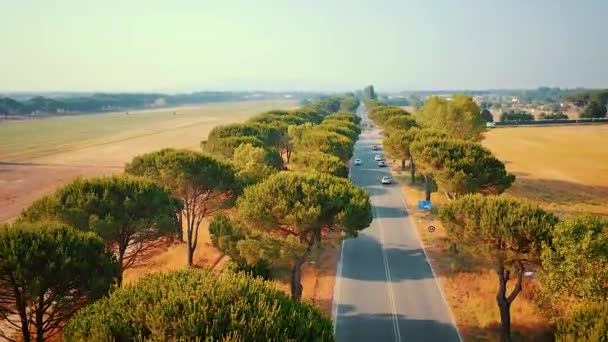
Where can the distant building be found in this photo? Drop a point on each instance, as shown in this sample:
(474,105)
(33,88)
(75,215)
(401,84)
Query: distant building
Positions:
(159,102)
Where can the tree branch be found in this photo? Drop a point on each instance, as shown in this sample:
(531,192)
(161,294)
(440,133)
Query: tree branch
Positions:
(283,229)
(518,286)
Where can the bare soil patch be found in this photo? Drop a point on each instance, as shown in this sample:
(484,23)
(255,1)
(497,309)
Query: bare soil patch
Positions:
(22,184)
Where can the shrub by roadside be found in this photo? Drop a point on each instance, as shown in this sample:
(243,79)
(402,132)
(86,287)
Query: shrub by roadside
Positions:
(199,305)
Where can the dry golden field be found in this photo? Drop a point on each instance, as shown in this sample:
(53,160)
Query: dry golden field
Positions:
(562,168)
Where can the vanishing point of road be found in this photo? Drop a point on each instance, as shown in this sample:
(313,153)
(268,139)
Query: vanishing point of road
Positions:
(385,287)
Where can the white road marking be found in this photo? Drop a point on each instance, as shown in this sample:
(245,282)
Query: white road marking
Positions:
(389,282)
(369,137)
(428,261)
(337,284)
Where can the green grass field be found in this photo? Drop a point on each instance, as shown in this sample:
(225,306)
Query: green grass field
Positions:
(27,139)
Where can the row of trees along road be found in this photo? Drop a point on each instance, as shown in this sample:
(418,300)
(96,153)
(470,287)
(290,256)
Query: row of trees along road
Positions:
(282,219)
(72,247)
(443,148)
(569,256)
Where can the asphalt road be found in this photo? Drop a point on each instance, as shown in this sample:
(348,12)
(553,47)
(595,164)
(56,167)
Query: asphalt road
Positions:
(385,288)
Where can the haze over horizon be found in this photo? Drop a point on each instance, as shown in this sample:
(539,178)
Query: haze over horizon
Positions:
(188,45)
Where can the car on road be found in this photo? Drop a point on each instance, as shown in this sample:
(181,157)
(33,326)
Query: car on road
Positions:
(382,163)
(386,180)
(378,157)
(357,161)
(375,148)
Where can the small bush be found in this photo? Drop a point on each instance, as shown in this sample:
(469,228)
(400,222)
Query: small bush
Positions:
(553,116)
(260,269)
(197,305)
(588,324)
(516,116)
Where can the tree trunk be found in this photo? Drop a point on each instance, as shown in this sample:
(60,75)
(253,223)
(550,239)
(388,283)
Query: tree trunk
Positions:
(180,227)
(296,269)
(504,301)
(505,320)
(190,256)
(25,330)
(317,237)
(121,255)
(402,164)
(40,319)
(21,308)
(190,243)
(412,171)
(449,196)
(427,188)
(296,279)
(191,248)
(503,304)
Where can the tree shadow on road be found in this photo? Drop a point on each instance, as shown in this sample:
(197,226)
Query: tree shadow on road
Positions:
(390,212)
(372,177)
(367,263)
(353,326)
(376,191)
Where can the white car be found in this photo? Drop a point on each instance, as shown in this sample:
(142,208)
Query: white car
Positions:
(386,180)
(382,163)
(375,148)
(357,161)
(378,157)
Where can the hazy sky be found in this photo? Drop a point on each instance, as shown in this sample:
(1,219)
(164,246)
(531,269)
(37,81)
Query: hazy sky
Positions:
(183,45)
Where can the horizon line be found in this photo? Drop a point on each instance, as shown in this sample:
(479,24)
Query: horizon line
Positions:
(160,92)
